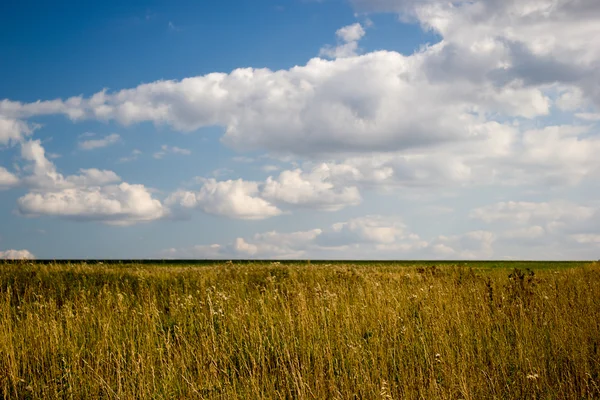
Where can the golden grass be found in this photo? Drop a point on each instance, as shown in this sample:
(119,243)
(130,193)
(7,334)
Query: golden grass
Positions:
(298,331)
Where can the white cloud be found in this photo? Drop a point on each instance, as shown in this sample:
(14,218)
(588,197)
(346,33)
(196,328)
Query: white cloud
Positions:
(270,168)
(44,172)
(266,245)
(93,177)
(233,199)
(381,101)
(351,33)
(106,141)
(588,238)
(325,187)
(552,156)
(13,130)
(45,176)
(563,153)
(535,41)
(90,196)
(164,149)
(476,108)
(349,36)
(370,237)
(533,213)
(495,60)
(16,255)
(588,116)
(471,245)
(526,233)
(544,230)
(135,153)
(7,179)
(122,204)
(373,229)
(314,189)
(216,173)
(344,240)
(570,99)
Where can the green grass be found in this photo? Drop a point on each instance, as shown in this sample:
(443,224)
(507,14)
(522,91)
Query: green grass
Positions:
(304,331)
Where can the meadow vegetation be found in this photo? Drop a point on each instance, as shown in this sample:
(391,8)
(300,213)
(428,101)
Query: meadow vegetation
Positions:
(299,331)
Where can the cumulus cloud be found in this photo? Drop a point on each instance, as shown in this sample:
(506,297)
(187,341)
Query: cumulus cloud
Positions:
(535,41)
(381,101)
(438,116)
(92,195)
(553,229)
(7,179)
(471,245)
(233,199)
(348,36)
(16,255)
(495,59)
(122,204)
(370,229)
(371,236)
(324,187)
(265,245)
(106,141)
(45,176)
(314,189)
(13,130)
(475,108)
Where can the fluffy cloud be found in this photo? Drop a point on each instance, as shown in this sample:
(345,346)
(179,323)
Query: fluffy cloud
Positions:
(314,189)
(381,101)
(357,238)
(535,41)
(92,144)
(554,229)
(443,115)
(233,199)
(325,187)
(90,196)
(476,108)
(471,245)
(496,58)
(45,176)
(349,36)
(121,204)
(16,255)
(13,130)
(265,245)
(369,229)
(7,179)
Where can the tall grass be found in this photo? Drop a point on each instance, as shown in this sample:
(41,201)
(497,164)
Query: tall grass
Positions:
(298,331)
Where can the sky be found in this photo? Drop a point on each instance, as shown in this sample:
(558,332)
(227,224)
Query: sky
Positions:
(300,129)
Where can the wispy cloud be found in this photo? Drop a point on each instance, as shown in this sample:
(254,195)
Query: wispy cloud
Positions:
(134,156)
(173,27)
(164,150)
(92,144)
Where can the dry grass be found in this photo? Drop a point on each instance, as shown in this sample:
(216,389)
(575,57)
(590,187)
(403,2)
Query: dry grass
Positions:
(298,331)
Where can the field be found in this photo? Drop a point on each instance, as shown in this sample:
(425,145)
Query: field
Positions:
(420,330)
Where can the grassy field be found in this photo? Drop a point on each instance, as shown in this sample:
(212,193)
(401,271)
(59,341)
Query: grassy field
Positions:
(300,331)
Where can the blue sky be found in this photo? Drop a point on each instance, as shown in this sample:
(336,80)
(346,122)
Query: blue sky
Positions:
(300,129)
